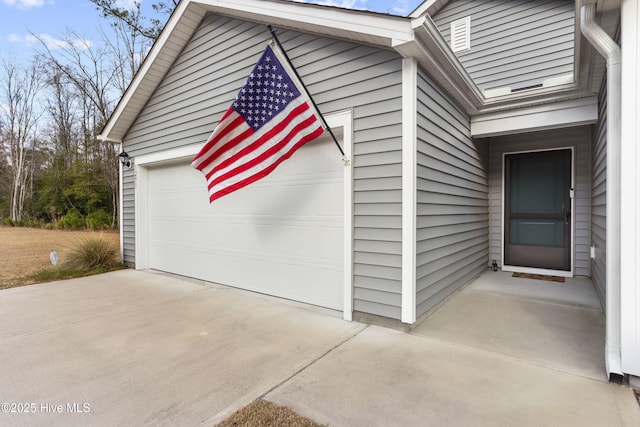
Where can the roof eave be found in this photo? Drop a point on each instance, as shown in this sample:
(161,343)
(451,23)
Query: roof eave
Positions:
(365,27)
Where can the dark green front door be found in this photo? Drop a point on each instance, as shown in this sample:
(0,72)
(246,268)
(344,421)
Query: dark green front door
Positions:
(538,210)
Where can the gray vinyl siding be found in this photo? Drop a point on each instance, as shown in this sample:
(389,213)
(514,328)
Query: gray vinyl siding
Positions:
(128,217)
(599,198)
(579,139)
(452,198)
(514,44)
(341,75)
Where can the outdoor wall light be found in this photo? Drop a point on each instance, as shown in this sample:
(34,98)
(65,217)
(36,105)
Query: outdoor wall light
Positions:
(125,159)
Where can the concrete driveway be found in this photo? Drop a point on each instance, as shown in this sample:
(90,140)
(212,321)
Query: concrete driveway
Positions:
(140,348)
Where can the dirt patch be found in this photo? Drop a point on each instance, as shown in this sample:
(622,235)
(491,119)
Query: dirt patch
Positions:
(262,413)
(25,251)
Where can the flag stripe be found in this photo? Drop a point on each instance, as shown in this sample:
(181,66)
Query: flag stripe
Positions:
(262,141)
(266,171)
(229,128)
(273,149)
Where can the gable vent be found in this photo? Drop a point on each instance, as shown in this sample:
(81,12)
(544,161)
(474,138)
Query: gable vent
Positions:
(461,34)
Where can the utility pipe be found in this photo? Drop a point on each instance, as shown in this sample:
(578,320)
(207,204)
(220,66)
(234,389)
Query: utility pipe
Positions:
(610,50)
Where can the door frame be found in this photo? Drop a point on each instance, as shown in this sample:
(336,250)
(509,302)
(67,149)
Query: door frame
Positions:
(143,163)
(532,270)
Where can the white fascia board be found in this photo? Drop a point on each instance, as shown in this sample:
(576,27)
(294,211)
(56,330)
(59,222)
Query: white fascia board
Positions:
(353,21)
(630,189)
(430,6)
(574,112)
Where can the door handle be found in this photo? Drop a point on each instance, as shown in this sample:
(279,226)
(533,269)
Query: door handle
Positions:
(567,217)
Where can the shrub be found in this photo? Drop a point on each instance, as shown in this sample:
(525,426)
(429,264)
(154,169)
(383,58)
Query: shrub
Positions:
(8,221)
(91,252)
(99,220)
(72,220)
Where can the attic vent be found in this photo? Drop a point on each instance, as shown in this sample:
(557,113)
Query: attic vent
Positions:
(461,34)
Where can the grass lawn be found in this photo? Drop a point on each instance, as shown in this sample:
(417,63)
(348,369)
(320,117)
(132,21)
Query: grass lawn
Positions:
(24,254)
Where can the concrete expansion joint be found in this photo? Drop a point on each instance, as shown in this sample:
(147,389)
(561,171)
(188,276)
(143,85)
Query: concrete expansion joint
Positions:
(313,361)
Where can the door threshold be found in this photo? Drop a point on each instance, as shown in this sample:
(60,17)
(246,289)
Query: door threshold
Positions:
(542,271)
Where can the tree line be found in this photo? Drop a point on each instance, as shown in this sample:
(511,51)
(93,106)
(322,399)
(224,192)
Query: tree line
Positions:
(54,170)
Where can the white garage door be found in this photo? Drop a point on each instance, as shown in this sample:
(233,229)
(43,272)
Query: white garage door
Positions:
(282,235)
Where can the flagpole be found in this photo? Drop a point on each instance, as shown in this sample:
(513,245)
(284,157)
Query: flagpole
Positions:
(284,52)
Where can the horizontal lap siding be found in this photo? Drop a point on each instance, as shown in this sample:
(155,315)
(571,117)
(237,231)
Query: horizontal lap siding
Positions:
(128,217)
(599,199)
(514,43)
(340,75)
(579,139)
(452,199)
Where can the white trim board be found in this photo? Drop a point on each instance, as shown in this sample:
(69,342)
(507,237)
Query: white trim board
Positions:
(575,112)
(143,163)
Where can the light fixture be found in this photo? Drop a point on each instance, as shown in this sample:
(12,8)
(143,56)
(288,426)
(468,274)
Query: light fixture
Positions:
(125,159)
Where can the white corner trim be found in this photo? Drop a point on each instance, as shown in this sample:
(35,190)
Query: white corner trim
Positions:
(409,188)
(574,112)
(344,120)
(630,188)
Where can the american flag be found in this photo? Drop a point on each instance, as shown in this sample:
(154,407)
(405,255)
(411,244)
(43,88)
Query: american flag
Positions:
(269,119)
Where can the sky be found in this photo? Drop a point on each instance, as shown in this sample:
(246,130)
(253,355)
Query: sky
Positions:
(52,19)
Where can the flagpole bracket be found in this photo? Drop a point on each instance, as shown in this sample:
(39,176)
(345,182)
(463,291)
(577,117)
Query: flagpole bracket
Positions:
(346,160)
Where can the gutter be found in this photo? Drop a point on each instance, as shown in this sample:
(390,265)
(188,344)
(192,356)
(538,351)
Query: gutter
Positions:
(610,50)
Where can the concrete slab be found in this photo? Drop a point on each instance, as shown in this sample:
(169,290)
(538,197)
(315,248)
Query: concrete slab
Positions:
(387,378)
(141,348)
(136,348)
(556,325)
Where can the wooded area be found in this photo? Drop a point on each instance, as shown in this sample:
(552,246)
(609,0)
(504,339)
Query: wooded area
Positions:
(54,170)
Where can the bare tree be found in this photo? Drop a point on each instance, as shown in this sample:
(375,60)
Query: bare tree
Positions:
(96,80)
(61,108)
(18,92)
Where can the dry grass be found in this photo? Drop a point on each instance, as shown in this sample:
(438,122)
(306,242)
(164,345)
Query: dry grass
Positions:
(262,413)
(25,251)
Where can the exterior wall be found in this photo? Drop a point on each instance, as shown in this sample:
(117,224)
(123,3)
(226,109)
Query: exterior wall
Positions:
(578,138)
(452,202)
(514,43)
(341,75)
(128,215)
(599,199)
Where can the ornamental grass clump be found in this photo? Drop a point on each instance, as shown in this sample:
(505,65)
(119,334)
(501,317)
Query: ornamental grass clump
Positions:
(91,252)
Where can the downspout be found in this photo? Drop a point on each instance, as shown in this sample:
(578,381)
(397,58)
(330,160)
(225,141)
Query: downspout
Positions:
(610,50)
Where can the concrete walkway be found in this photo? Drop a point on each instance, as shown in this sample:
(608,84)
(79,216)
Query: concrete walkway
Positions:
(138,348)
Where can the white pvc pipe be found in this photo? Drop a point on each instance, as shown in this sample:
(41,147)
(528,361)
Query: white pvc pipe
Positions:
(608,48)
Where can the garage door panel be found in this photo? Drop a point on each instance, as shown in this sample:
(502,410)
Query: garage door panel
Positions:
(282,235)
